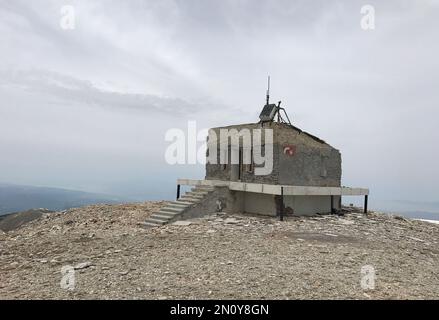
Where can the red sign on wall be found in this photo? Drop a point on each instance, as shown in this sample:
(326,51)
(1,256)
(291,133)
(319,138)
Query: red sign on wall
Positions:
(290,150)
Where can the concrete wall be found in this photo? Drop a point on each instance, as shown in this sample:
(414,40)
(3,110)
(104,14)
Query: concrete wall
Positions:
(306,205)
(230,201)
(258,203)
(298,205)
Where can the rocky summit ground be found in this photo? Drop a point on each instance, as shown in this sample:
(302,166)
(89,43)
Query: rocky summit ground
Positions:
(219,256)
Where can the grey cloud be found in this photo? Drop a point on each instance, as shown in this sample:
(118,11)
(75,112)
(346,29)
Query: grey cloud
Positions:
(71,90)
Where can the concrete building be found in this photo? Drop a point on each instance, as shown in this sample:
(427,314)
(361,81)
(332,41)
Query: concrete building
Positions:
(301,174)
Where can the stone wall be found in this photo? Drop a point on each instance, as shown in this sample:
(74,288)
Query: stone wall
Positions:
(313,162)
(223,172)
(310,166)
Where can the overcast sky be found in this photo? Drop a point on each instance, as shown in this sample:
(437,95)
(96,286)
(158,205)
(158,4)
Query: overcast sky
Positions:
(88,108)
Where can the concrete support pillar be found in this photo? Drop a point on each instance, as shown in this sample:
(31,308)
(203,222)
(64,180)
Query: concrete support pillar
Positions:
(332,204)
(282,205)
(365,203)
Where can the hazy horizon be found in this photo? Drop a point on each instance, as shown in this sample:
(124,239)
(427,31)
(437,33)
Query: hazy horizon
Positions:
(48,197)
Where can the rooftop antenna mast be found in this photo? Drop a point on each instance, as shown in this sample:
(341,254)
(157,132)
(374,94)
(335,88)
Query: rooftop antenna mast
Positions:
(268,92)
(270,110)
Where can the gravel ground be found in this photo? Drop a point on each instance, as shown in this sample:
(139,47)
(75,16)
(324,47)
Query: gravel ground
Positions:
(220,256)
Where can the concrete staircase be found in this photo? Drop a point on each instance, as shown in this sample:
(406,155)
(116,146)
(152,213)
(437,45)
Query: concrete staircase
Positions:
(173,210)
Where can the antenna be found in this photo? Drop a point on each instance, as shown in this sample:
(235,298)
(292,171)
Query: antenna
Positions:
(268,91)
(270,110)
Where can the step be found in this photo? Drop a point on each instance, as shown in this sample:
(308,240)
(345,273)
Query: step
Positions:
(200,192)
(161,217)
(191,199)
(176,205)
(192,195)
(147,224)
(164,212)
(203,188)
(157,221)
(195,195)
(186,203)
(173,209)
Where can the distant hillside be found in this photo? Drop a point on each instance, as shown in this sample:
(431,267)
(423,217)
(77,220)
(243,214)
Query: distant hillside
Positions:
(409,209)
(12,221)
(15,198)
